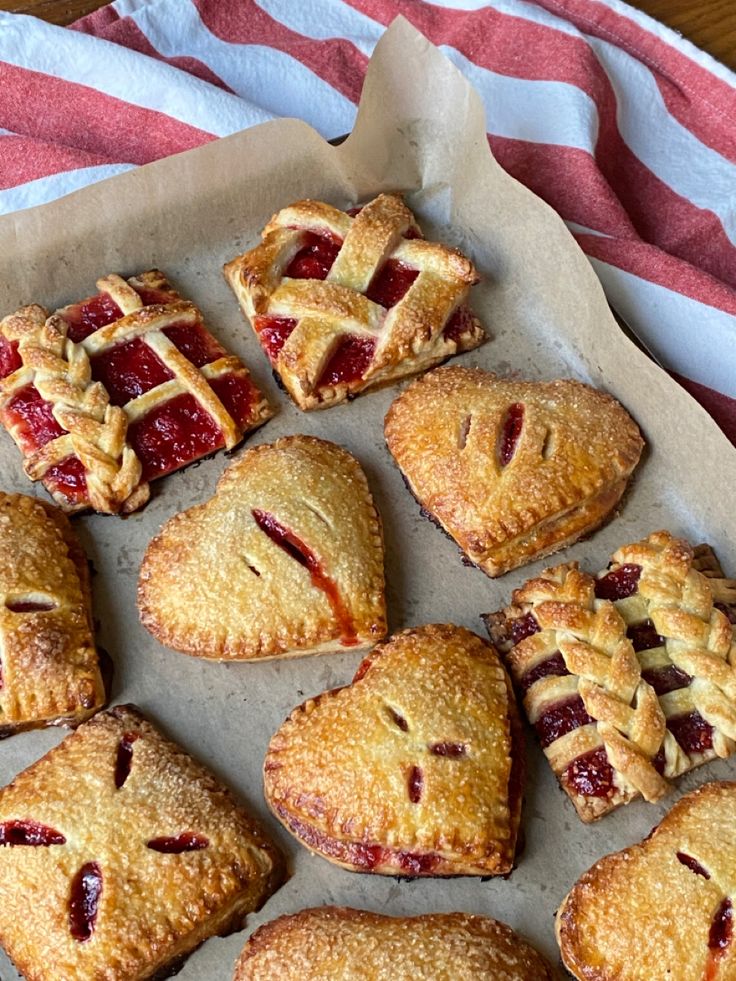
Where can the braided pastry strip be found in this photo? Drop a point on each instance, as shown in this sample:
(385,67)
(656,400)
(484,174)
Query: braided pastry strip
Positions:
(60,371)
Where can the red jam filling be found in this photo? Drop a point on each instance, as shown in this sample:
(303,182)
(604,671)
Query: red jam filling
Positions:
(692,732)
(195,343)
(689,862)
(415,784)
(553,667)
(172,435)
(187,841)
(459,323)
(349,362)
(523,627)
(69,478)
(591,775)
(399,720)
(451,750)
(643,636)
(667,678)
(659,761)
(510,433)
(10,360)
(29,833)
(88,316)
(273,333)
(84,901)
(314,260)
(32,415)
(29,606)
(237,395)
(562,718)
(124,758)
(619,583)
(128,370)
(296,548)
(391,283)
(730,611)
(719,938)
(149,295)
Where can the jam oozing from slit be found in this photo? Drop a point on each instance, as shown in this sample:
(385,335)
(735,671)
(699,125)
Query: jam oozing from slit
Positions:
(29,833)
(124,758)
(590,775)
(453,751)
(398,720)
(187,841)
(561,718)
(84,901)
(30,606)
(88,316)
(689,862)
(315,258)
(619,583)
(415,784)
(349,363)
(553,666)
(720,936)
(299,551)
(510,433)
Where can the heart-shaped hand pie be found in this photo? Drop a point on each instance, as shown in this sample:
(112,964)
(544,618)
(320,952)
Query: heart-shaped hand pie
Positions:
(661,910)
(334,943)
(285,559)
(413,769)
(512,470)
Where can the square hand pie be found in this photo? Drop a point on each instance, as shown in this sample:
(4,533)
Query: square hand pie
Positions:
(121,388)
(628,678)
(335,943)
(413,769)
(286,559)
(122,854)
(49,670)
(512,470)
(344,301)
(661,910)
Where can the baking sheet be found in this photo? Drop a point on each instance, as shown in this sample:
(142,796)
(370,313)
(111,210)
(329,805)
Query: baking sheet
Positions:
(421,132)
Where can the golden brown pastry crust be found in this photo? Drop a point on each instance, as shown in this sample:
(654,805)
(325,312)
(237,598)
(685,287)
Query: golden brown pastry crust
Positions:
(408,338)
(568,468)
(95,430)
(335,943)
(647,667)
(48,660)
(215,584)
(383,776)
(655,911)
(153,907)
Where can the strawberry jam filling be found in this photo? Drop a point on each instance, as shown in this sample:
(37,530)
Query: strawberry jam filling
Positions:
(510,433)
(561,718)
(88,316)
(273,333)
(361,856)
(150,295)
(552,667)
(398,720)
(124,758)
(10,360)
(643,636)
(237,395)
(523,627)
(128,370)
(415,784)
(689,862)
(30,606)
(68,477)
(391,283)
(619,583)
(349,362)
(195,343)
(721,928)
(459,323)
(187,841)
(692,732)
(173,434)
(452,751)
(665,679)
(590,775)
(296,548)
(84,901)
(729,611)
(314,260)
(29,833)
(31,415)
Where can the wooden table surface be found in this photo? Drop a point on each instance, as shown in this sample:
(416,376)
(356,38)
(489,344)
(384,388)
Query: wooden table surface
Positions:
(711,24)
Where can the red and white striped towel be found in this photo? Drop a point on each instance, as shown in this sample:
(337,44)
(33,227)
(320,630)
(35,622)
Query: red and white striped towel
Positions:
(622,126)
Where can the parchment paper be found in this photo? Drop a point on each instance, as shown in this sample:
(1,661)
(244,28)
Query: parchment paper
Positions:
(420,130)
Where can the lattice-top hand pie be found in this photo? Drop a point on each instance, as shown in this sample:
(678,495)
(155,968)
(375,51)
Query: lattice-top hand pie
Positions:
(334,943)
(629,679)
(285,559)
(413,769)
(49,670)
(126,386)
(511,470)
(342,301)
(662,910)
(120,854)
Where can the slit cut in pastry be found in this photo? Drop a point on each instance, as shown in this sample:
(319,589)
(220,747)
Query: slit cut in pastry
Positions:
(511,470)
(335,943)
(628,678)
(414,769)
(126,386)
(49,667)
(120,855)
(345,301)
(286,559)
(663,909)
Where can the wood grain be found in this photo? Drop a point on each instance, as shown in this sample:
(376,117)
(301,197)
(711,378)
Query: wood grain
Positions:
(711,24)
